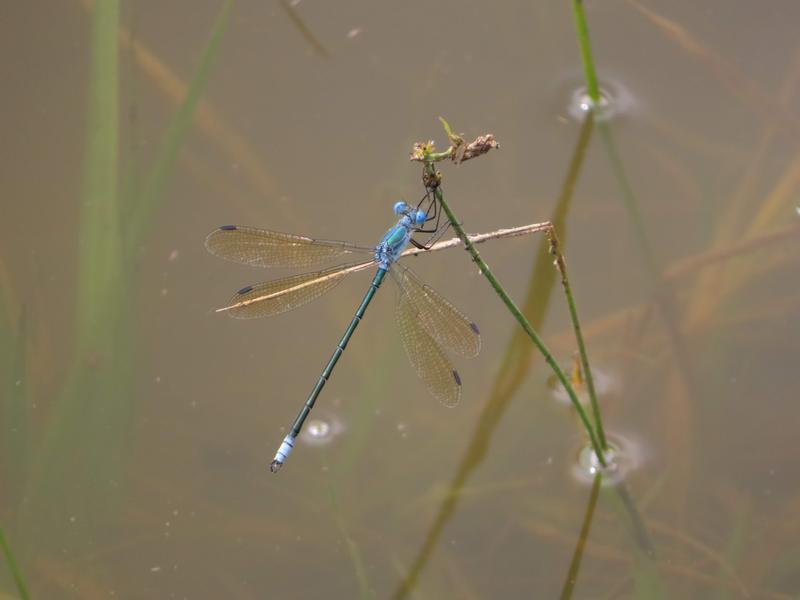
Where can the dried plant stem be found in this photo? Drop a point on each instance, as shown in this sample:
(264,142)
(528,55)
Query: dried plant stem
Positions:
(479,238)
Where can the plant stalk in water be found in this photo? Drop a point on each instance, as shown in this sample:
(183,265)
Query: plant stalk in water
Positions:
(582,31)
(576,327)
(431,179)
(19,580)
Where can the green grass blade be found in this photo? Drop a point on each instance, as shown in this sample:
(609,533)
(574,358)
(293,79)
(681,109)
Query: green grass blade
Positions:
(153,188)
(19,580)
(577,556)
(14,414)
(733,551)
(647,581)
(447,128)
(83,433)
(514,367)
(365,591)
(304,29)
(9,375)
(516,360)
(630,201)
(77,474)
(665,298)
(582,31)
(100,245)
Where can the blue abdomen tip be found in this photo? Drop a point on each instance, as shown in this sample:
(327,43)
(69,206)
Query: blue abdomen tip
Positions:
(474,328)
(457,377)
(228,228)
(245,289)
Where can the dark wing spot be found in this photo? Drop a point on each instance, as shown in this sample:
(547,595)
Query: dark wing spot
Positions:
(474,328)
(228,228)
(245,289)
(456,377)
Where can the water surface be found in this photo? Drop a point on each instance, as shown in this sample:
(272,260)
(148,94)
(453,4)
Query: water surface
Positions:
(135,460)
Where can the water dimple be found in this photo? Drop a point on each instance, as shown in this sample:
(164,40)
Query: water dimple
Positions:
(603,385)
(319,428)
(589,462)
(622,457)
(615,100)
(320,431)
(402,430)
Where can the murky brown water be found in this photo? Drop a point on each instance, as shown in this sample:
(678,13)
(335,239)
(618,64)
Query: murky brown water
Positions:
(134,461)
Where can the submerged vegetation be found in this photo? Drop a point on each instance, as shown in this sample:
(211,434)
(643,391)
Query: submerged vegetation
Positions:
(69,468)
(11,563)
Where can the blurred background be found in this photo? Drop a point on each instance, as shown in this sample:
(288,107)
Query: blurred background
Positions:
(136,425)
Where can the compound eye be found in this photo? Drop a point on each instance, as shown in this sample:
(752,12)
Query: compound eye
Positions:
(400,208)
(419,218)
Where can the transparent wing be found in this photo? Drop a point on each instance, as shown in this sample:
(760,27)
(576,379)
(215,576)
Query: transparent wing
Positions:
(443,321)
(262,248)
(281,295)
(425,354)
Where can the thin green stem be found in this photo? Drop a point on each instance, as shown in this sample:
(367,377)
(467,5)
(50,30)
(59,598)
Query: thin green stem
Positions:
(593,89)
(142,213)
(517,314)
(22,590)
(582,30)
(439,156)
(576,327)
(577,555)
(631,203)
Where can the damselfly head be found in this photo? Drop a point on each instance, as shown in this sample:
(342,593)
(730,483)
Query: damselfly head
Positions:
(415,216)
(418,217)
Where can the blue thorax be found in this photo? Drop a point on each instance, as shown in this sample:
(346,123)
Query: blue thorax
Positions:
(396,239)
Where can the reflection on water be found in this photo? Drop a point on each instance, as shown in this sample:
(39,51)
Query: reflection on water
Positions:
(136,427)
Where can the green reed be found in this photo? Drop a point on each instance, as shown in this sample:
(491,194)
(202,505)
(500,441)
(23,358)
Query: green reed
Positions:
(14,398)
(582,31)
(81,456)
(460,151)
(142,211)
(89,404)
(577,555)
(360,569)
(646,578)
(19,580)
(664,297)
(512,368)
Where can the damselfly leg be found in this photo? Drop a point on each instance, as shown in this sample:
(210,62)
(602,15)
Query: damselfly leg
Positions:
(430,206)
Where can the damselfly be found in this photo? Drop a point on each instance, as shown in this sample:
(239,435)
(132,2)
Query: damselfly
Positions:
(427,322)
